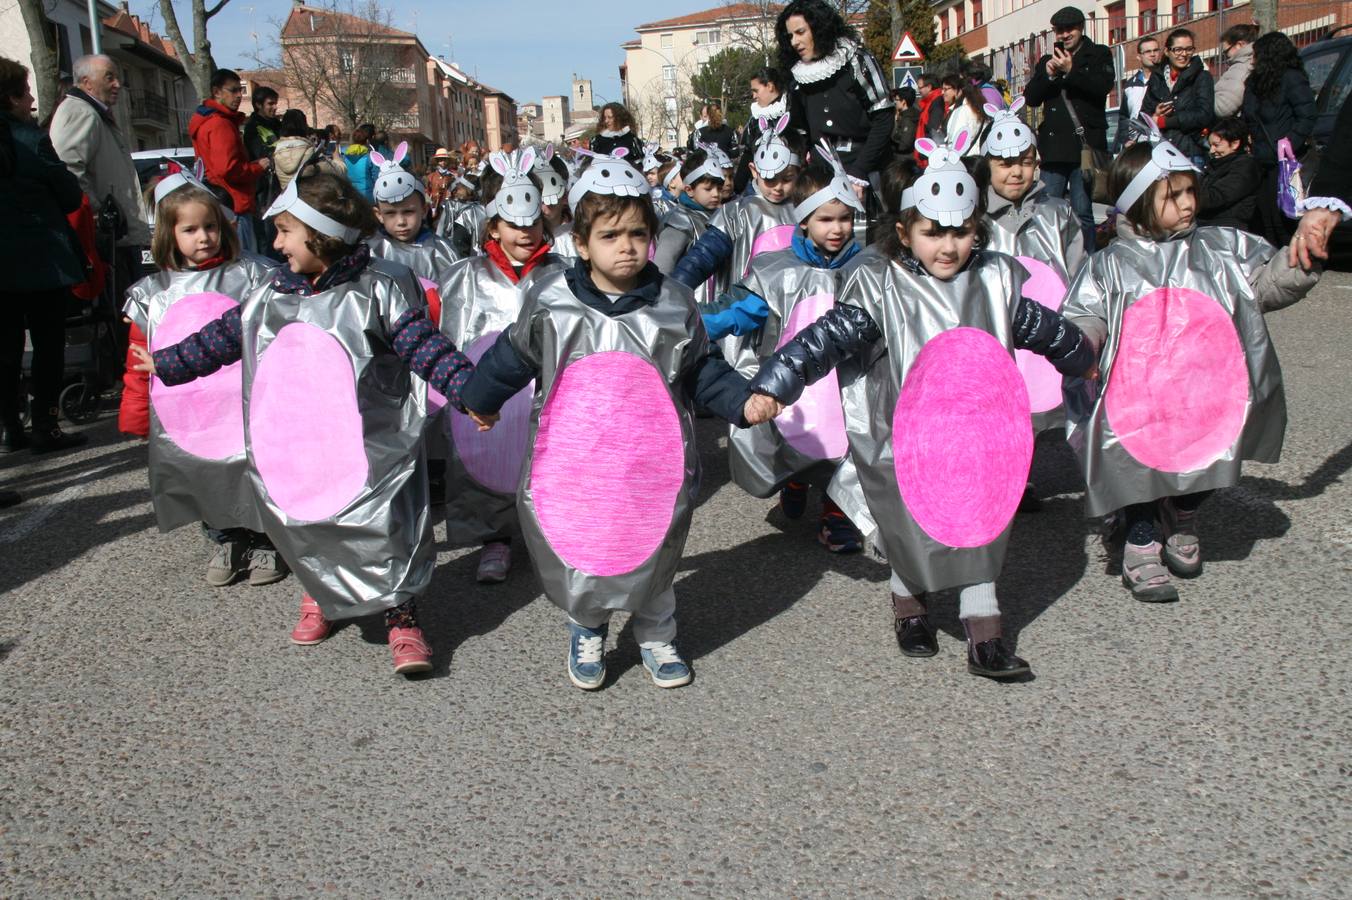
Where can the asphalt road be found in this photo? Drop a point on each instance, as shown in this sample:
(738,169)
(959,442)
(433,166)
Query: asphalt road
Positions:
(161,738)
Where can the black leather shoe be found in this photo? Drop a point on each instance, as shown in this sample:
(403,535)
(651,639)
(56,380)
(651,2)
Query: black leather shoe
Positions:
(50,440)
(916,637)
(12,439)
(992,659)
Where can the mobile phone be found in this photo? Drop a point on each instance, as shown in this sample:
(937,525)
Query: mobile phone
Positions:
(1059,45)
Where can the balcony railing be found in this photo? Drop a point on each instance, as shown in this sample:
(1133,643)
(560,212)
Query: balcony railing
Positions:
(149,105)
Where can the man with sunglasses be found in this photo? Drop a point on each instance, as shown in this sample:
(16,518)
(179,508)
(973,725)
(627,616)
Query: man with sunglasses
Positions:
(1182,96)
(1077,74)
(218,142)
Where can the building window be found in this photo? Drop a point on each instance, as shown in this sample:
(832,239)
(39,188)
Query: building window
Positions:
(976,14)
(1147,21)
(1117,22)
(669,78)
(666,41)
(712,36)
(1182,12)
(346,63)
(962,20)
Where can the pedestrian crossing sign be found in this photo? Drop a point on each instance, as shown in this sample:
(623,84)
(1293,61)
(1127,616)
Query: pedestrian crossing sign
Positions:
(905,76)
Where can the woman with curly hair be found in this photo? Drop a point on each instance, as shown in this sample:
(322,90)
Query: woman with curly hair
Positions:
(1278,103)
(838,92)
(614,129)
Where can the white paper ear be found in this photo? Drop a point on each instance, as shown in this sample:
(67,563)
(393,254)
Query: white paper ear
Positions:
(549,152)
(925,146)
(401,151)
(764,124)
(620,152)
(782,124)
(960,142)
(527,160)
(1017,104)
(992,110)
(377,157)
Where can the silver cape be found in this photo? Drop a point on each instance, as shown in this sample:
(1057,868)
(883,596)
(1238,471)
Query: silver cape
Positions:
(562,244)
(1215,261)
(911,309)
(446,218)
(743,220)
(184,487)
(431,259)
(557,330)
(376,552)
(760,458)
(1042,228)
(477,299)
(692,224)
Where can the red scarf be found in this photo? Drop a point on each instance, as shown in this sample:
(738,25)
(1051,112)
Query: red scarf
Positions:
(504,262)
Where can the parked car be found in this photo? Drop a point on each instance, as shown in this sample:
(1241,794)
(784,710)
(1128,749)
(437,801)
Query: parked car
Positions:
(151,164)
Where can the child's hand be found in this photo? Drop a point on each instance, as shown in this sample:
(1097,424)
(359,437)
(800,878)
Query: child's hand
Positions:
(761,408)
(144,361)
(1092,374)
(485,422)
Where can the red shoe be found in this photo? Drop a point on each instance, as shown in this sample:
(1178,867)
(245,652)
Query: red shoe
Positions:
(411,652)
(312,627)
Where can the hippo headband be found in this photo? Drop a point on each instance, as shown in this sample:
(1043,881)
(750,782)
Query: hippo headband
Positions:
(1008,137)
(1165,159)
(518,200)
(465,183)
(946,192)
(395,183)
(553,186)
(180,177)
(772,154)
(671,177)
(710,168)
(840,187)
(608,175)
(290,202)
(650,161)
(717,155)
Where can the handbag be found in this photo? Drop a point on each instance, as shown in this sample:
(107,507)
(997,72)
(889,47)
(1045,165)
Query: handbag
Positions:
(1290,184)
(1094,162)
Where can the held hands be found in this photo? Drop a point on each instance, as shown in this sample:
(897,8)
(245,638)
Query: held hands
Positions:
(144,361)
(1311,240)
(761,408)
(484,421)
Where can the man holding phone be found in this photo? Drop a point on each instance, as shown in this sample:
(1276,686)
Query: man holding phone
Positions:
(1077,73)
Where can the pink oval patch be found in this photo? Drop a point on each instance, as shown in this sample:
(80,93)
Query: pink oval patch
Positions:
(1179,388)
(305,429)
(777,238)
(205,417)
(609,463)
(961,438)
(493,458)
(1040,376)
(815,425)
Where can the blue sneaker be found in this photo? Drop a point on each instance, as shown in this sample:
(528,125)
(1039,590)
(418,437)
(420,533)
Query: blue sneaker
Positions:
(837,534)
(586,656)
(793,499)
(665,666)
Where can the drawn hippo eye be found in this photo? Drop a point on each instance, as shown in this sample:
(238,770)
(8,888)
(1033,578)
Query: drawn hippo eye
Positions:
(510,199)
(934,189)
(605,173)
(999,135)
(960,187)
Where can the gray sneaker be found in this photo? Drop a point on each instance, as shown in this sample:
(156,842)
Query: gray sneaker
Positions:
(1182,547)
(266,566)
(227,563)
(494,561)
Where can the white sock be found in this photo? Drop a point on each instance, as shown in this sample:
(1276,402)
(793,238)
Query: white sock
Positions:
(902,589)
(978,600)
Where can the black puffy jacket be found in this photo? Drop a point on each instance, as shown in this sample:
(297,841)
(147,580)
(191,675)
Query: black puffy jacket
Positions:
(1194,98)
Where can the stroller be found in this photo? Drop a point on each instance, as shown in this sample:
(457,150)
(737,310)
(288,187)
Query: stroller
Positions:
(96,343)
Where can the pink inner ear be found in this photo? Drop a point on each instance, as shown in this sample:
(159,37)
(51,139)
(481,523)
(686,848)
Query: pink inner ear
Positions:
(205,417)
(961,438)
(925,146)
(493,458)
(305,429)
(609,463)
(770,240)
(961,141)
(1040,376)
(1178,390)
(815,425)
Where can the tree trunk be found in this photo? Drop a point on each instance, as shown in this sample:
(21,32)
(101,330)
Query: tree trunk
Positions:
(1265,15)
(44,78)
(894,7)
(198,65)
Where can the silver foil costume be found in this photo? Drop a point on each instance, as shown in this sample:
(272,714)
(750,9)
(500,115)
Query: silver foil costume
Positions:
(184,487)
(691,224)
(1234,269)
(431,259)
(744,220)
(375,552)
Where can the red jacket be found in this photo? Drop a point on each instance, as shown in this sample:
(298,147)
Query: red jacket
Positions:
(216,139)
(133,413)
(922,127)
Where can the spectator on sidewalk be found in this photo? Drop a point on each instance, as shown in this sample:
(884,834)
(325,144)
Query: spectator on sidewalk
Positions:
(1228,189)
(357,157)
(41,260)
(217,142)
(1182,96)
(1238,48)
(1278,103)
(1080,73)
(1148,56)
(907,125)
(87,138)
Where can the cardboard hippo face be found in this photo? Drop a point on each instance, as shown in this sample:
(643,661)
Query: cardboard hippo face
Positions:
(717,156)
(518,200)
(1165,159)
(394,183)
(1009,138)
(772,154)
(608,174)
(553,186)
(946,193)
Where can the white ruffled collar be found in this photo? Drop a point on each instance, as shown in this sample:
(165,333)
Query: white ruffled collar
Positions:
(824,68)
(616,134)
(770,111)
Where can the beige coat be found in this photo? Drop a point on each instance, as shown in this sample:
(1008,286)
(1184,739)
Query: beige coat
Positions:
(288,154)
(98,155)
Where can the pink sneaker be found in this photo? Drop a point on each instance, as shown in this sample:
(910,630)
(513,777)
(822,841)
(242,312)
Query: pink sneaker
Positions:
(411,651)
(312,627)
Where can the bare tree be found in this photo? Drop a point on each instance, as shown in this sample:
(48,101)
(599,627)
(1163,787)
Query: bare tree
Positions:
(45,77)
(197,63)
